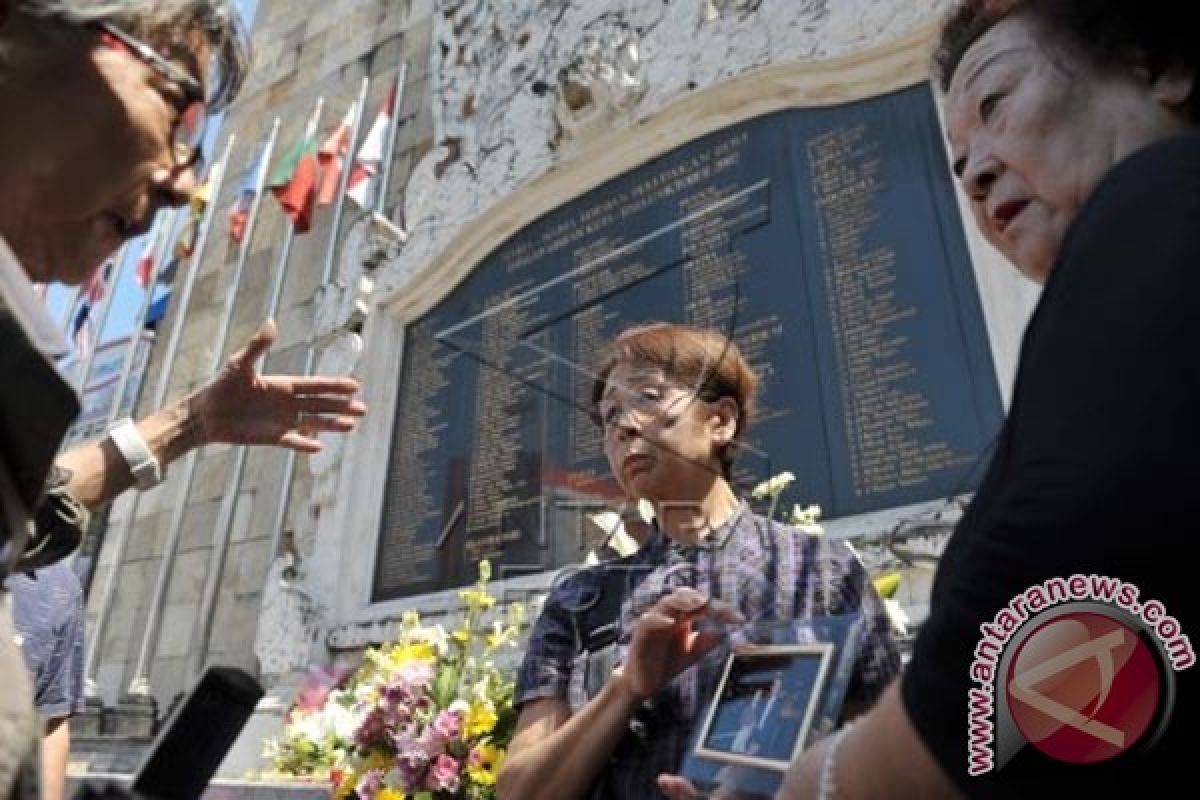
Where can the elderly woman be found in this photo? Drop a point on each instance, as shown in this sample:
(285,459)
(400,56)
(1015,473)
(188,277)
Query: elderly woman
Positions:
(105,104)
(672,401)
(1072,125)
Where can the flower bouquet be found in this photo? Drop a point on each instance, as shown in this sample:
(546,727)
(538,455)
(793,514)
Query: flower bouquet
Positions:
(427,717)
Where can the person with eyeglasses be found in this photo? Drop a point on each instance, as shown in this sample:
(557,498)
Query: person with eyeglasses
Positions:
(673,403)
(105,104)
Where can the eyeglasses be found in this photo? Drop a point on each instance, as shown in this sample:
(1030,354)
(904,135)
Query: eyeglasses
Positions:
(187,135)
(644,404)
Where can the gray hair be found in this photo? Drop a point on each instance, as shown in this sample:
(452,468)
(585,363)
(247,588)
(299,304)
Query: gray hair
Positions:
(168,22)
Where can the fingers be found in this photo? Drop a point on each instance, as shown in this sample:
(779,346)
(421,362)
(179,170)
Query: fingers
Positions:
(685,603)
(677,788)
(326,404)
(294,440)
(318,384)
(259,343)
(307,423)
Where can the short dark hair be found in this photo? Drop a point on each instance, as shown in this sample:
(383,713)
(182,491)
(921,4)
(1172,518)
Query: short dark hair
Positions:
(694,356)
(1111,33)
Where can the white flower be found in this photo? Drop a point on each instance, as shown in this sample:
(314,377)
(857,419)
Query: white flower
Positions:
(434,635)
(459,706)
(805,519)
(341,721)
(772,487)
(309,726)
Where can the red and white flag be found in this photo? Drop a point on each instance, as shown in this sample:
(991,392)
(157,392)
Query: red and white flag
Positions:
(332,155)
(364,177)
(144,273)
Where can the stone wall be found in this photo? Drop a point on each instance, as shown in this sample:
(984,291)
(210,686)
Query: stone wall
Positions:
(303,48)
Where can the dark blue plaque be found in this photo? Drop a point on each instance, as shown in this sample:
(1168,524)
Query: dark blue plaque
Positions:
(827,242)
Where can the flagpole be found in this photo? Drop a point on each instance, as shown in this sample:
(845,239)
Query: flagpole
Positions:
(114,280)
(223,529)
(139,685)
(343,181)
(289,462)
(390,150)
(108,593)
(160,244)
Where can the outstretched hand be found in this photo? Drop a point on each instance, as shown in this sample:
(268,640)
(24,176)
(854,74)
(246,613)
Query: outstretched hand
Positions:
(242,406)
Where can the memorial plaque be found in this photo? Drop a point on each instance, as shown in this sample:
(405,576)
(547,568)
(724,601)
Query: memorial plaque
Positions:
(826,242)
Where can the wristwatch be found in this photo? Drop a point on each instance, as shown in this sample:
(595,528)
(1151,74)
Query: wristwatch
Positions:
(147,472)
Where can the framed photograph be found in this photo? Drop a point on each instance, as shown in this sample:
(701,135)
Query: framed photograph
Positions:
(764,705)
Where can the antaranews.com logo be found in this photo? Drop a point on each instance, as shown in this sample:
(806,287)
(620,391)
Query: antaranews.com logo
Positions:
(1091,676)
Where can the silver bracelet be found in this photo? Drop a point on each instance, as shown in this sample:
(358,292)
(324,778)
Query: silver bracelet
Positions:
(826,782)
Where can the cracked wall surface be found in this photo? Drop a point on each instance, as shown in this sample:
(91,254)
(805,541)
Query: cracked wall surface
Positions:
(508,76)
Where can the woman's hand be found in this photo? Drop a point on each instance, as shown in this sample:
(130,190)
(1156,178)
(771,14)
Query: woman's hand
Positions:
(242,406)
(665,642)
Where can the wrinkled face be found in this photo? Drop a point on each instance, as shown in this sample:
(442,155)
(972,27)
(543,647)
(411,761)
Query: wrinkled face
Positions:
(101,161)
(1034,128)
(661,440)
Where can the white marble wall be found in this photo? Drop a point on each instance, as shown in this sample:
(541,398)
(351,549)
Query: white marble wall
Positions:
(520,88)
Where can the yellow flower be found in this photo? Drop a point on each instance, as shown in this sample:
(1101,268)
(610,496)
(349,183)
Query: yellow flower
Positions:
(389,794)
(484,764)
(410,619)
(403,654)
(477,599)
(481,719)
(462,635)
(345,787)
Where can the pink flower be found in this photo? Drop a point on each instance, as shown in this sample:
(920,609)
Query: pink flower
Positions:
(370,784)
(448,724)
(417,674)
(443,774)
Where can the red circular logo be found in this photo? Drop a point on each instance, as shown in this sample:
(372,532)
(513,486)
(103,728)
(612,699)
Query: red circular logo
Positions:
(1083,688)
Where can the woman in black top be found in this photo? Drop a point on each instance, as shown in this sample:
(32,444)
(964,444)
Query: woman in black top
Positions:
(1073,130)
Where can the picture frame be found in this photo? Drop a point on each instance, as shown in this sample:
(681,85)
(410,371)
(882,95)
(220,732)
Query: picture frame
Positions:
(764,705)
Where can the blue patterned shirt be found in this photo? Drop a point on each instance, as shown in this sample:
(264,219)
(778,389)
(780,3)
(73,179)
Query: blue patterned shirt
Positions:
(764,569)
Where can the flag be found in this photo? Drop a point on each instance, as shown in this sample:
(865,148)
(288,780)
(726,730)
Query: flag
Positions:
(81,329)
(294,183)
(185,244)
(144,272)
(332,155)
(166,275)
(239,215)
(97,285)
(158,310)
(364,177)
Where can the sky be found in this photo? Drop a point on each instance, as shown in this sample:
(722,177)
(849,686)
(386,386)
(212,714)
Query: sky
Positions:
(123,316)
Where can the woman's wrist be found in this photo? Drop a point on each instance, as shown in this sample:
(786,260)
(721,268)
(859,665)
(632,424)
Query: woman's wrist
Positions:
(623,688)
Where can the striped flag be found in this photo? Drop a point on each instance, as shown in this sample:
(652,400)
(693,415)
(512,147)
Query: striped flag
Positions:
(294,182)
(239,215)
(364,178)
(97,285)
(332,156)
